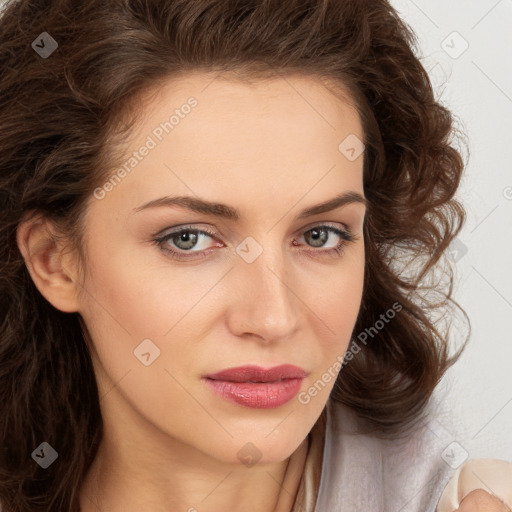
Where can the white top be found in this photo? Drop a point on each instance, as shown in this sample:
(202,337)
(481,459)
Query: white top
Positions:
(363,473)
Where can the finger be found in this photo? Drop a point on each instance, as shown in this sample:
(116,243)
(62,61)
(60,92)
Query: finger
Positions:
(481,501)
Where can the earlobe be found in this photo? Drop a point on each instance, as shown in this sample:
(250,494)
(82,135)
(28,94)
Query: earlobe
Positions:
(50,267)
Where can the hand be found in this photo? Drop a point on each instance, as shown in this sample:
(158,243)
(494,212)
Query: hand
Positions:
(481,501)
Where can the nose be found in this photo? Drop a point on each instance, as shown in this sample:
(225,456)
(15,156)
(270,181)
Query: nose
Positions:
(265,301)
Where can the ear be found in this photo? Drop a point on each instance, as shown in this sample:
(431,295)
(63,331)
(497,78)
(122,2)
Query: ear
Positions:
(52,269)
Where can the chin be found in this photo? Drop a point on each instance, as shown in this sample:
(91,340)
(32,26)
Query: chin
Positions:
(263,443)
(257,453)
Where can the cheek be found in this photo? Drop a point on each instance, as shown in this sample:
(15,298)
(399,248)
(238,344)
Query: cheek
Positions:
(338,303)
(138,293)
(337,309)
(128,303)
(336,313)
(131,299)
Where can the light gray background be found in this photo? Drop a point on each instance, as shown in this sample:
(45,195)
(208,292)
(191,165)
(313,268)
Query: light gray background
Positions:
(476,84)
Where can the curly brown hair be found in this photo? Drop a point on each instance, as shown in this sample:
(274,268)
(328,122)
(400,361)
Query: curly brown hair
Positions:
(59,119)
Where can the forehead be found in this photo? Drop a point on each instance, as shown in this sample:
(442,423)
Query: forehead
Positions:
(228,94)
(232,119)
(219,137)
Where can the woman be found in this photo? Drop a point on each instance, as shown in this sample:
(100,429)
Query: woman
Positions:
(208,208)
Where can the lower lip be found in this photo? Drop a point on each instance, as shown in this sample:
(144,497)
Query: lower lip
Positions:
(260,395)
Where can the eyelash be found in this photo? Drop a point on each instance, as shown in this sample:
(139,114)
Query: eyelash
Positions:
(338,251)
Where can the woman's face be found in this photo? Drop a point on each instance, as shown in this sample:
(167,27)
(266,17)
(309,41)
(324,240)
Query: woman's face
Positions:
(264,287)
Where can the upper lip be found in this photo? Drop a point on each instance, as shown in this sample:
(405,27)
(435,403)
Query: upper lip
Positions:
(252,373)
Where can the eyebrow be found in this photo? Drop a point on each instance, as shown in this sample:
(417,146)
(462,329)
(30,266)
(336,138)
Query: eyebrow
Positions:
(228,212)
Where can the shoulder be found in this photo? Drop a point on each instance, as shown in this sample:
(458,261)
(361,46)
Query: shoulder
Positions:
(361,471)
(491,475)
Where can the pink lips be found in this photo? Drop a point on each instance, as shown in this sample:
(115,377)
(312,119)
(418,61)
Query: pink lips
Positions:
(258,387)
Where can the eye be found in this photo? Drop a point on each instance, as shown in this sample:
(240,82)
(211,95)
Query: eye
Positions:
(179,242)
(318,236)
(184,239)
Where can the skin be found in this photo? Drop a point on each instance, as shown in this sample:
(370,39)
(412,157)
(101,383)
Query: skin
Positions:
(269,149)
(481,501)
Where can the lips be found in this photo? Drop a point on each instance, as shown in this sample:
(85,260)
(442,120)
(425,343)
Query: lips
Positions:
(253,373)
(257,387)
